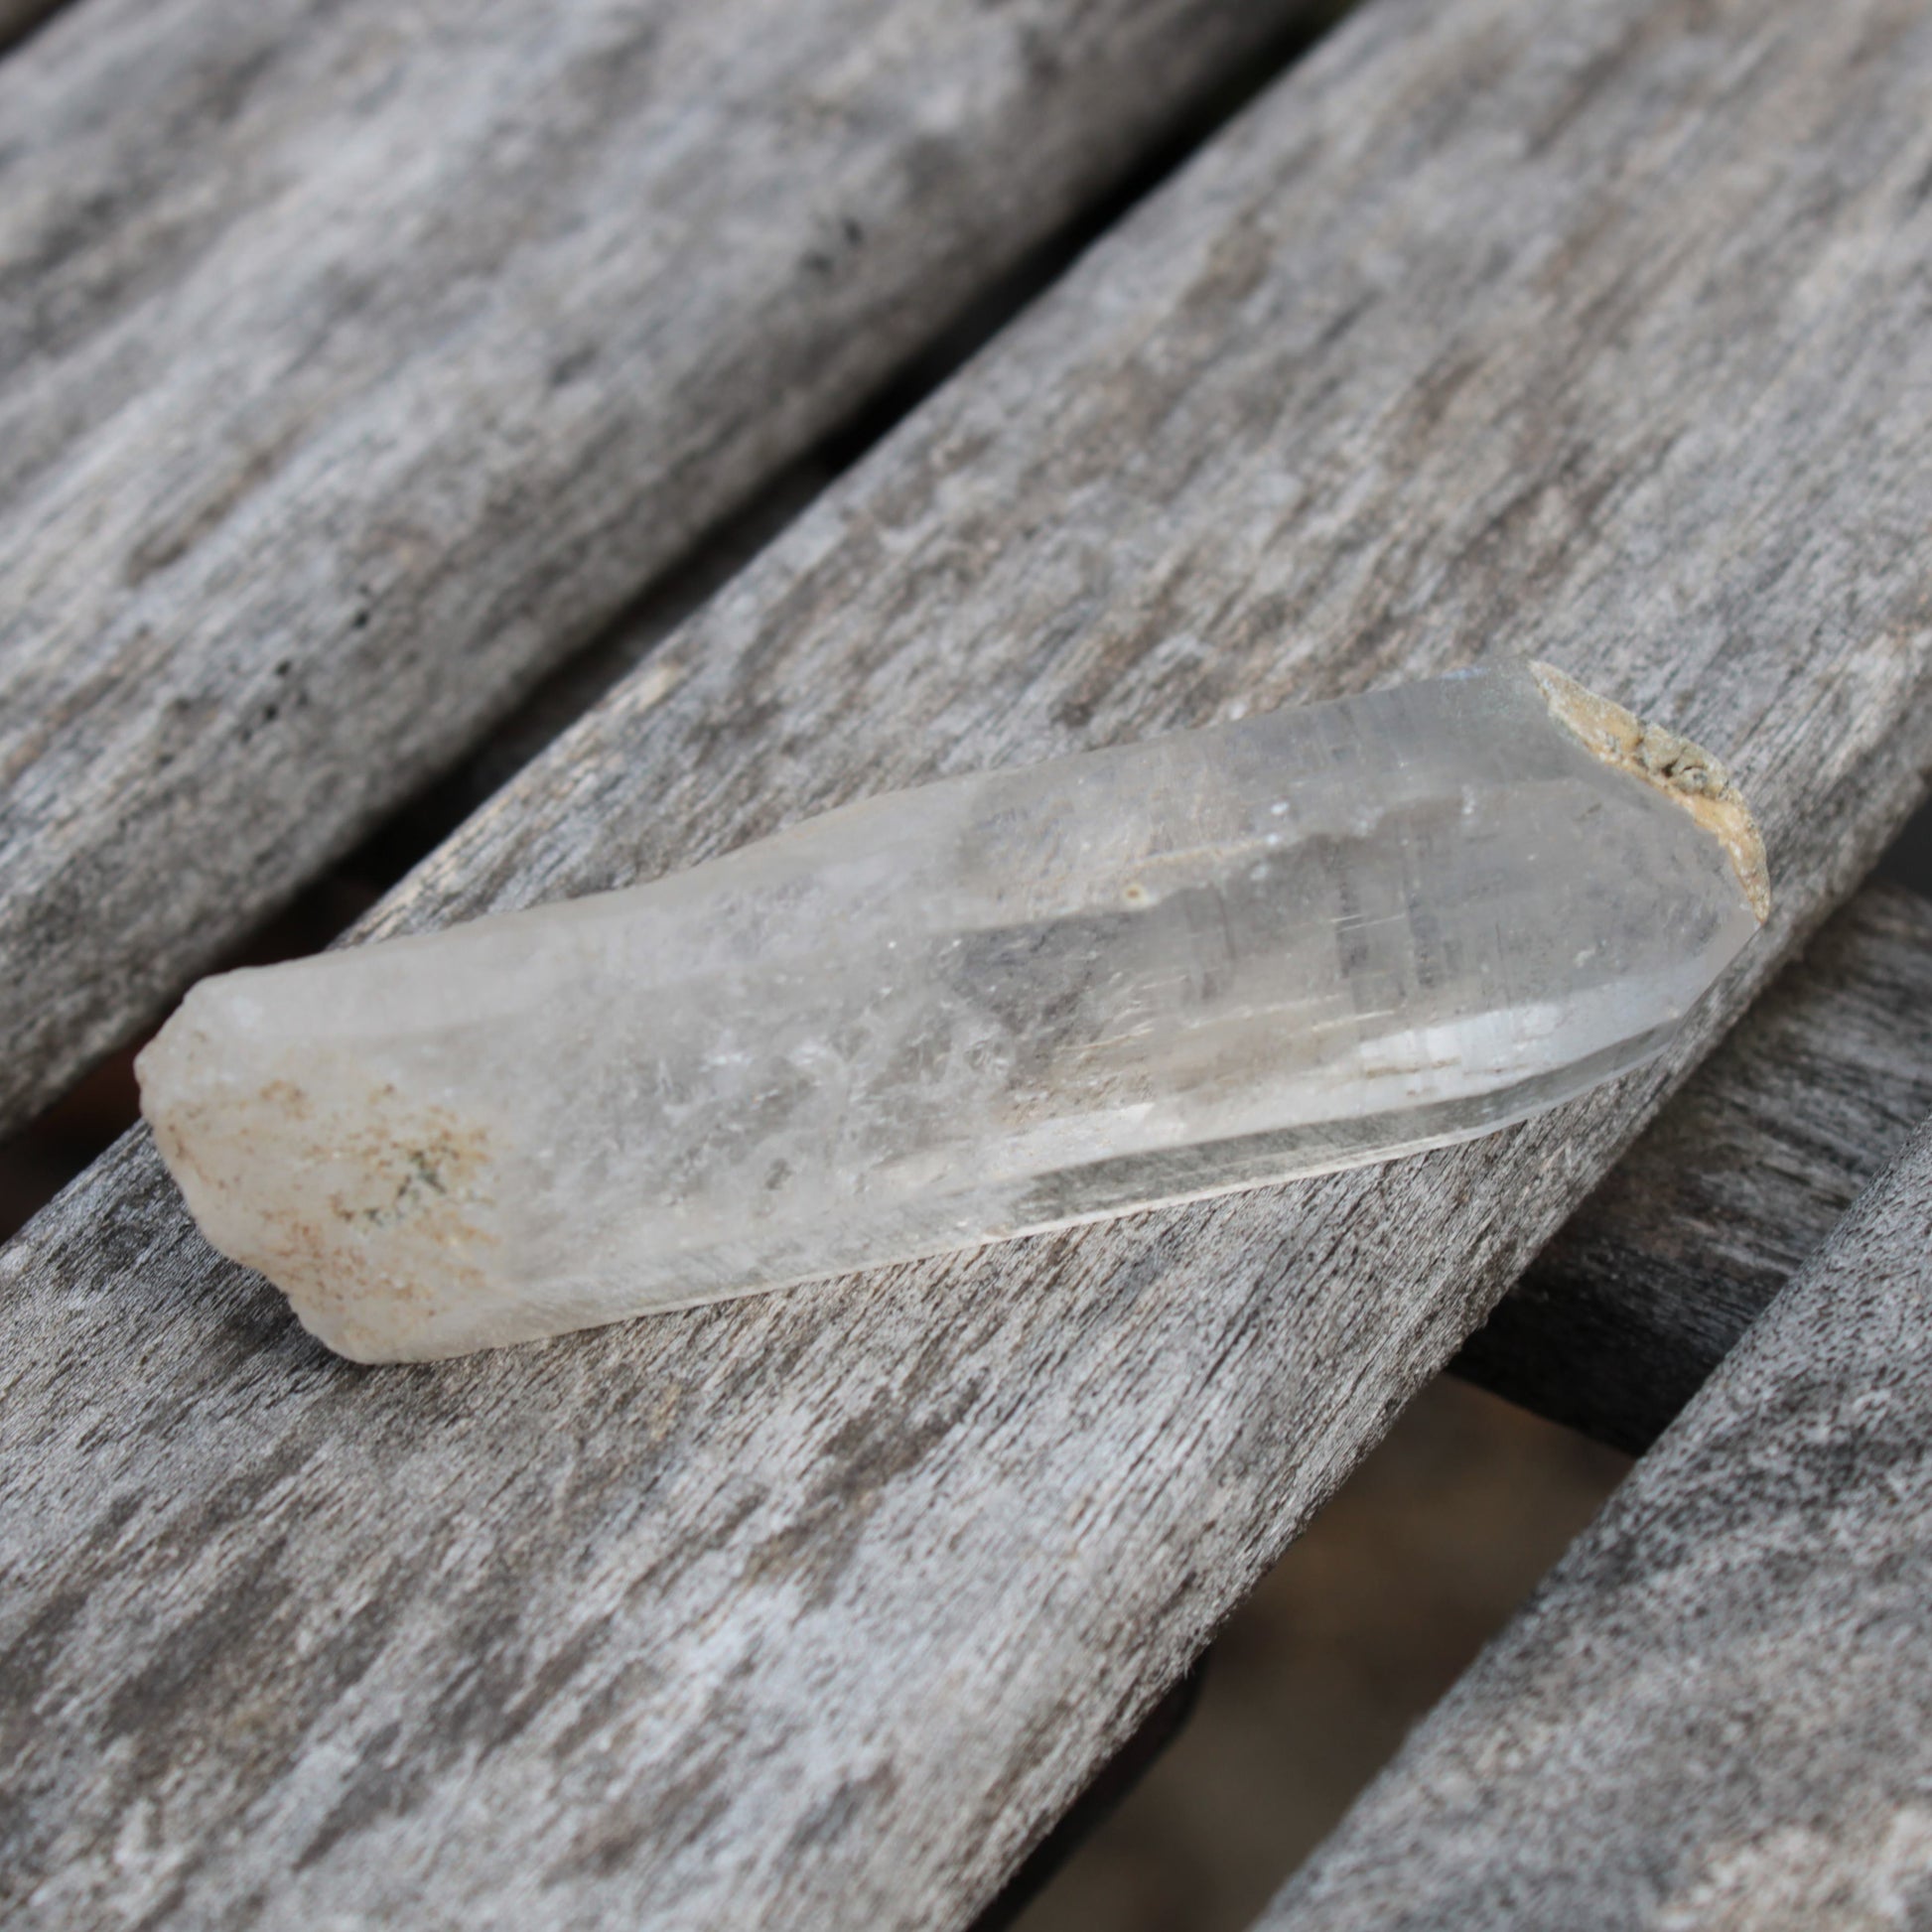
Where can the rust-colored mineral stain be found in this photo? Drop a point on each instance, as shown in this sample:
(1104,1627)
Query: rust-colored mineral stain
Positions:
(379,1204)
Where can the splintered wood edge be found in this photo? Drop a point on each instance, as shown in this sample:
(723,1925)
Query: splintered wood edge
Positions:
(1682,771)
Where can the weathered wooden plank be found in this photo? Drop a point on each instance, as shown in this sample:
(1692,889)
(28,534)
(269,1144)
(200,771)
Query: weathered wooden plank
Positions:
(1717,1710)
(1602,333)
(1644,1291)
(357,364)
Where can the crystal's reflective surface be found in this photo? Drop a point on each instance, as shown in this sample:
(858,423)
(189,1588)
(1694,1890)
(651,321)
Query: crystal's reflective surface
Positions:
(995,1004)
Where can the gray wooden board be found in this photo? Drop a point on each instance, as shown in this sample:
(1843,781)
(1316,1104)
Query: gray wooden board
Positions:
(356,363)
(1644,1291)
(1602,332)
(1717,1711)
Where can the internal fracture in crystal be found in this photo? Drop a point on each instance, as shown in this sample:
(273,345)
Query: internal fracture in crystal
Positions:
(989,1006)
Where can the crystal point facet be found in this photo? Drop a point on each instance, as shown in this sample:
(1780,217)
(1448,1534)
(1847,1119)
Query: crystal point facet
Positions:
(992,1005)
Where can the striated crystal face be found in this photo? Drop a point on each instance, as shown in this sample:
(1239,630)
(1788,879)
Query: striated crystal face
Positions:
(992,1005)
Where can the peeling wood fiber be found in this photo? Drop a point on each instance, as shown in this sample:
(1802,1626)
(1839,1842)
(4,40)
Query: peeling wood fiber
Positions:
(1601,331)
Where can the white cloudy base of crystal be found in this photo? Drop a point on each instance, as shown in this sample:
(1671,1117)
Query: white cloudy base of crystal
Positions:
(990,1006)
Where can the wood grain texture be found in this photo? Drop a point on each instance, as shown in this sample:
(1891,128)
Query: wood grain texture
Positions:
(1603,334)
(1644,1291)
(1715,1711)
(357,362)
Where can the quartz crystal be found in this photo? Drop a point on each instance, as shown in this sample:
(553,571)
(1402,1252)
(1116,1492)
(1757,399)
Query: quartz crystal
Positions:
(992,1005)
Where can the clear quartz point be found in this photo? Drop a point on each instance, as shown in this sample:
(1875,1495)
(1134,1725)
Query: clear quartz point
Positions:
(992,1005)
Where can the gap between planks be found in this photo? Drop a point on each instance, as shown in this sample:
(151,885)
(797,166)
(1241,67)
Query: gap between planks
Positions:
(1658,1275)
(1716,1711)
(19,18)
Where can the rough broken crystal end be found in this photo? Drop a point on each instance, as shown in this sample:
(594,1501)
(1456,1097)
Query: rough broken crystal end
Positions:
(1685,771)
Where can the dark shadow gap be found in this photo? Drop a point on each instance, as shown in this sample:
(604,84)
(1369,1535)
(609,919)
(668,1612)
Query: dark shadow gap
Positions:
(21,18)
